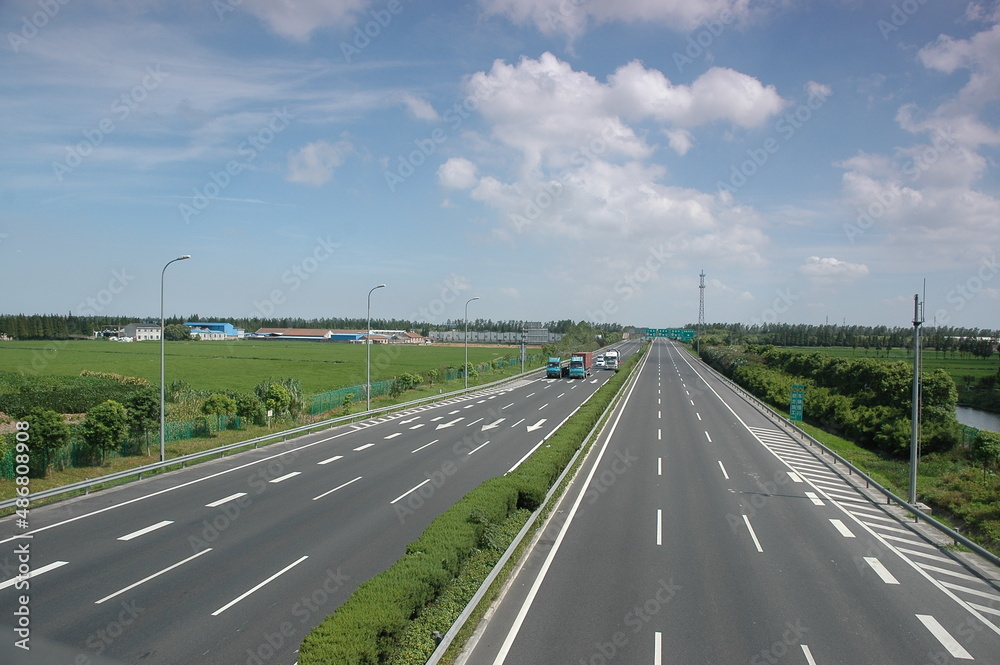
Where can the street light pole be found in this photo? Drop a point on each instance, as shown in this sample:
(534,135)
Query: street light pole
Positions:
(163,408)
(368,354)
(465,369)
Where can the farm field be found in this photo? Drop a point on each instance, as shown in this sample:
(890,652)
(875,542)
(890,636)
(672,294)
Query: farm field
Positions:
(238,365)
(956,366)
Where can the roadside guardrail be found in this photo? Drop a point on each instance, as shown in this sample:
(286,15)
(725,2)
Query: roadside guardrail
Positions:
(182,461)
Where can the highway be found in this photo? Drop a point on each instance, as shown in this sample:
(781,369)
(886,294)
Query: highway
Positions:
(698,532)
(235,560)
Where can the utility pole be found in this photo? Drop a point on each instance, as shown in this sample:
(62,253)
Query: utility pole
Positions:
(918,318)
(701,311)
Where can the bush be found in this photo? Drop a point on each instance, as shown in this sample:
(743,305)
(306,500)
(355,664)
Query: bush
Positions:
(104,428)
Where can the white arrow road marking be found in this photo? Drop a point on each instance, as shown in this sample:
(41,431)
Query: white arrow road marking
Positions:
(449,424)
(538,425)
(493,424)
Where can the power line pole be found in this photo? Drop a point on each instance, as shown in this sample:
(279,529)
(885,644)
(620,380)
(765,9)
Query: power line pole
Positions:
(918,318)
(701,309)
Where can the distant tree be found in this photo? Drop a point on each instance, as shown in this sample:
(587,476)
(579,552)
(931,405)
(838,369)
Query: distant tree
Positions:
(986,449)
(218,405)
(143,408)
(176,332)
(104,428)
(48,433)
(277,399)
(250,408)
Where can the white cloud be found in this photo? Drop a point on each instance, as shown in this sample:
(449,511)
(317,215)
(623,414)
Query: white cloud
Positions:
(314,163)
(457,173)
(298,19)
(573,17)
(419,108)
(830,269)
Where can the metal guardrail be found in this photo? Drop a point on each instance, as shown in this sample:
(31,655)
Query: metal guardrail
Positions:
(138,471)
(870,482)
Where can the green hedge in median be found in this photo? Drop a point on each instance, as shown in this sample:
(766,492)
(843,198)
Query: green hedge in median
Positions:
(367,628)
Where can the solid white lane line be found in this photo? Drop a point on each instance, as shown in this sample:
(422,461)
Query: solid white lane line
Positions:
(337,488)
(216,504)
(146,579)
(657,648)
(424,446)
(815,499)
(412,489)
(286,476)
(360,448)
(726,475)
(881,570)
(476,448)
(34,573)
(331,459)
(842,528)
(753,535)
(554,548)
(142,532)
(268,580)
(944,637)
(659,526)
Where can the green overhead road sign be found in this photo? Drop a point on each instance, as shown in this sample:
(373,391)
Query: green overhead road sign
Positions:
(683,334)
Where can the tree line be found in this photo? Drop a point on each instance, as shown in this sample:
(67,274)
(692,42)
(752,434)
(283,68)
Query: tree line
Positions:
(947,340)
(66,326)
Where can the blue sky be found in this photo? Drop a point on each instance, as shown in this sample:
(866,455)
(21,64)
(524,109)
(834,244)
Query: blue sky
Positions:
(559,159)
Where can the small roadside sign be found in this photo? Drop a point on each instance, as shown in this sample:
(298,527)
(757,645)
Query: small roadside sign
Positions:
(795,403)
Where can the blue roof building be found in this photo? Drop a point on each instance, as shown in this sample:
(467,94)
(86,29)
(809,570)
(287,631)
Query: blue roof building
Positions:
(228,329)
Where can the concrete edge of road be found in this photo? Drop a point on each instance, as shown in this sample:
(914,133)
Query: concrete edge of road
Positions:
(979,560)
(507,567)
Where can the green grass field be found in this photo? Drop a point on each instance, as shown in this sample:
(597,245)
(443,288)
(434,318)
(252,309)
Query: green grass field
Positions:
(239,365)
(957,367)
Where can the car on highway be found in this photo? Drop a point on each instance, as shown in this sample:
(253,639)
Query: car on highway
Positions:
(599,361)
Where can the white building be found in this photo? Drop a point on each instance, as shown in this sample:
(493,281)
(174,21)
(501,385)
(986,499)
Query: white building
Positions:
(142,332)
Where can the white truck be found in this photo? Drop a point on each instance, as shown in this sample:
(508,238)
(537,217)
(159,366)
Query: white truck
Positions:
(612,359)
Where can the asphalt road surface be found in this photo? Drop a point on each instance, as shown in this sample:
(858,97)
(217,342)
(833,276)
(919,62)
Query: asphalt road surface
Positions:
(698,532)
